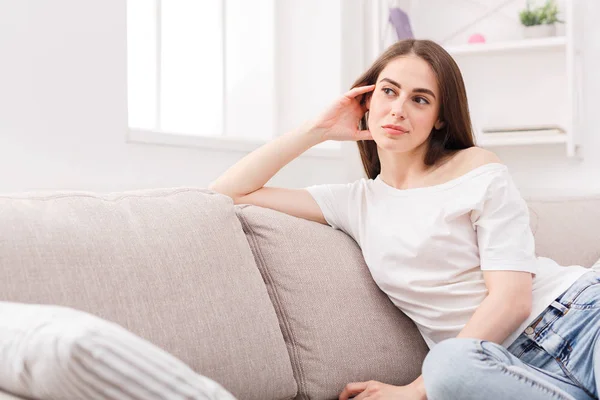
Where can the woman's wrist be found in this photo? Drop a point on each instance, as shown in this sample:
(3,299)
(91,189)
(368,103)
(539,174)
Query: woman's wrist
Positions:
(419,386)
(312,133)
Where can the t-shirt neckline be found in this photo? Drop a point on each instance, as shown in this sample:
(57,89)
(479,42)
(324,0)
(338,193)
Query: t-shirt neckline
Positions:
(441,186)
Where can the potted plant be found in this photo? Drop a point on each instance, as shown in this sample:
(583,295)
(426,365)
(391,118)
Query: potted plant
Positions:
(540,21)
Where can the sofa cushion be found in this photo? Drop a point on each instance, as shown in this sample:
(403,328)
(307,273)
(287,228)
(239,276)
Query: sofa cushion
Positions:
(338,325)
(172,266)
(51,352)
(566,229)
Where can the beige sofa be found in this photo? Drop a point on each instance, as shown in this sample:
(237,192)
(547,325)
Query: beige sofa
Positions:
(268,305)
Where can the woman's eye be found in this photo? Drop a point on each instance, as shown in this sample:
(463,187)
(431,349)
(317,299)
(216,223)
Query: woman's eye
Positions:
(388,91)
(421,100)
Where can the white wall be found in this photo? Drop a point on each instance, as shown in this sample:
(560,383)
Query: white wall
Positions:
(63,107)
(63,116)
(547,169)
(536,169)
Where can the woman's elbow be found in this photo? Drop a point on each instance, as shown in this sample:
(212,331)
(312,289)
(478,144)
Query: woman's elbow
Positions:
(523,307)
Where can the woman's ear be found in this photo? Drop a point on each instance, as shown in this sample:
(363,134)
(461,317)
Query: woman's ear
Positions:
(439,125)
(366,101)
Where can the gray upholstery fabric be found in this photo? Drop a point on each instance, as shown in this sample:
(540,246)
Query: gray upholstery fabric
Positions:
(338,325)
(566,229)
(173,266)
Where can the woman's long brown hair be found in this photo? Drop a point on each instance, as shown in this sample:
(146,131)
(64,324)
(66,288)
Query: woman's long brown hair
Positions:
(456,132)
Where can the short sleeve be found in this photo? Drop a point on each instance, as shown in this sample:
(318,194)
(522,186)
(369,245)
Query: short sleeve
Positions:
(501,220)
(337,203)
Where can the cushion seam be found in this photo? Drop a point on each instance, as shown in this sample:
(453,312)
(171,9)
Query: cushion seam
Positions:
(278,305)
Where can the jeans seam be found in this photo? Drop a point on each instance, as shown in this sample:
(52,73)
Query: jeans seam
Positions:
(541,330)
(589,307)
(563,365)
(538,385)
(583,289)
(562,354)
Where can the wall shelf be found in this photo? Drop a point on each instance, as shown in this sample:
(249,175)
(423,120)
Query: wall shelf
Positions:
(525,45)
(527,83)
(523,137)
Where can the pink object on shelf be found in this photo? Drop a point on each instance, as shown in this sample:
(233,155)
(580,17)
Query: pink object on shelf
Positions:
(477,38)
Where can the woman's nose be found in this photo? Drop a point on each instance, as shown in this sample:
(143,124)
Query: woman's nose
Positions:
(398,110)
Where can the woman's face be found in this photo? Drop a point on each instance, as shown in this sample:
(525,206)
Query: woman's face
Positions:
(404,105)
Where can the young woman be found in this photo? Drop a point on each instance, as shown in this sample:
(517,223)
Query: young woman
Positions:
(445,234)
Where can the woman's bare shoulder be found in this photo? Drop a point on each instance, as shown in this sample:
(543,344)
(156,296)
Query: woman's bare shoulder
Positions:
(474,157)
(466,160)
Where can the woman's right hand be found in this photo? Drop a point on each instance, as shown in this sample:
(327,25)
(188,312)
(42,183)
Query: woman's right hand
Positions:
(340,121)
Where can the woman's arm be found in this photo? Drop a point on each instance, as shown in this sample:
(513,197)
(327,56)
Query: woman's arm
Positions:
(504,309)
(254,170)
(506,306)
(338,122)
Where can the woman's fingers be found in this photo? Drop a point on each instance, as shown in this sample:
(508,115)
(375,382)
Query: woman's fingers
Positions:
(352,93)
(352,389)
(364,135)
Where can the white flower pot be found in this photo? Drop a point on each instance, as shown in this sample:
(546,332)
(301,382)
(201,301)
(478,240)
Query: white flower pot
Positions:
(538,31)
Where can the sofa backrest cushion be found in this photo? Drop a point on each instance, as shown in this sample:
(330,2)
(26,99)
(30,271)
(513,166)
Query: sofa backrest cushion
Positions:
(173,266)
(338,326)
(566,229)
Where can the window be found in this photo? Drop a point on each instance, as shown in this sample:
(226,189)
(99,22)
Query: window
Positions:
(201,68)
(203,72)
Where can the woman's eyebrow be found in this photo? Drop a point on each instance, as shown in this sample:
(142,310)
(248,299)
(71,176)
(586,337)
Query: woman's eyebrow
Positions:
(416,90)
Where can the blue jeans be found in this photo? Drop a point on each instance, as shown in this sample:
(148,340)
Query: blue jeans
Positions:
(557,357)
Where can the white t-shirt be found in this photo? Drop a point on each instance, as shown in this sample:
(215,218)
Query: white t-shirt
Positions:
(426,247)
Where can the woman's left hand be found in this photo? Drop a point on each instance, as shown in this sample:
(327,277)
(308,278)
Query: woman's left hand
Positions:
(373,390)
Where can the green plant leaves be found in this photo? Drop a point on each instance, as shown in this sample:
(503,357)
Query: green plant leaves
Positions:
(545,14)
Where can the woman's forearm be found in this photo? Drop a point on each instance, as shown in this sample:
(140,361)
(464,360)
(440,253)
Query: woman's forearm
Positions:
(495,319)
(339,122)
(254,170)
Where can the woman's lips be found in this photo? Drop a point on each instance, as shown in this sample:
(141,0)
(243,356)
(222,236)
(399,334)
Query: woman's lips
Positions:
(392,130)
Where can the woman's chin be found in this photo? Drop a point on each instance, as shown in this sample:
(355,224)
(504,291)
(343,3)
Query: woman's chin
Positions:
(392,144)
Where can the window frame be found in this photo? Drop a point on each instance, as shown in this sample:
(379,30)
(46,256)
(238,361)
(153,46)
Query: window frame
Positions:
(220,142)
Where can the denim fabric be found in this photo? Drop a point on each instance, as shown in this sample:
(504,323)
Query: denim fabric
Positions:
(556,357)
